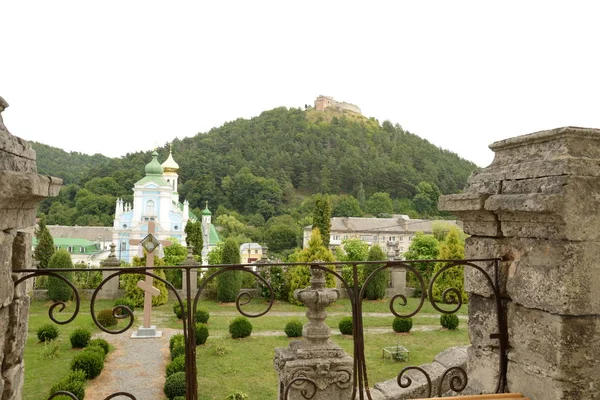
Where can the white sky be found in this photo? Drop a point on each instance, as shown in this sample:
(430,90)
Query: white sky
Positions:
(113,77)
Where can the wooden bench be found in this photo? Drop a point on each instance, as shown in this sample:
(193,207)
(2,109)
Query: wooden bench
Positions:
(503,396)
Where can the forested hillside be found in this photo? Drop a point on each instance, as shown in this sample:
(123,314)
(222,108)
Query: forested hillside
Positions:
(271,165)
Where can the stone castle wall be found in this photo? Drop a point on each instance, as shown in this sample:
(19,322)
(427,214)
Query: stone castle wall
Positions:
(21,188)
(323,102)
(537,207)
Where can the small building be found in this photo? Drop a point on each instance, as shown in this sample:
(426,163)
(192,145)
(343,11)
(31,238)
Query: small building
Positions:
(393,235)
(324,102)
(252,252)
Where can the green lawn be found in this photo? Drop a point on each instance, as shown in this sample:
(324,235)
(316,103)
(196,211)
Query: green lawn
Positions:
(248,364)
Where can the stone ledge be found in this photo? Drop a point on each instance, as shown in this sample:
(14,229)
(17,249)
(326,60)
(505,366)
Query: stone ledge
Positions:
(24,190)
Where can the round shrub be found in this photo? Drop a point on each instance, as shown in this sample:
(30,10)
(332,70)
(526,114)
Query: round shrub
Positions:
(177,365)
(237,395)
(178,349)
(74,383)
(106,318)
(402,324)
(124,301)
(89,361)
(201,333)
(103,344)
(175,385)
(345,326)
(178,310)
(449,321)
(80,338)
(202,315)
(175,339)
(47,332)
(59,290)
(240,327)
(293,328)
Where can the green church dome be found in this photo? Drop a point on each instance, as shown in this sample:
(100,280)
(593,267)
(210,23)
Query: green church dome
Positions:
(154,167)
(206,211)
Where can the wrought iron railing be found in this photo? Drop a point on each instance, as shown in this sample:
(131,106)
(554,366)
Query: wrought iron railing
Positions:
(487,268)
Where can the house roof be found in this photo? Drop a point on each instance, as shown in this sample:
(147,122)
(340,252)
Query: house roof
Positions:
(213,236)
(246,246)
(91,233)
(381,225)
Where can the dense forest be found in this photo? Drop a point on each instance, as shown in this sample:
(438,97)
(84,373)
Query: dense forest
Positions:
(271,166)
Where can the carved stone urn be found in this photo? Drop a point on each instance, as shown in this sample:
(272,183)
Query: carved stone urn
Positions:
(314,366)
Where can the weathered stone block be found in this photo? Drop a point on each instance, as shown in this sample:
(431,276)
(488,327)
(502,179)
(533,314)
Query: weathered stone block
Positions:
(544,185)
(16,334)
(16,218)
(563,347)
(3,329)
(6,282)
(483,321)
(13,382)
(25,190)
(21,259)
(477,247)
(483,370)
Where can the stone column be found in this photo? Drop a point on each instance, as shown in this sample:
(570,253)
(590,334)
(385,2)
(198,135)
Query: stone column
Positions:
(111,289)
(537,206)
(21,188)
(316,357)
(190,261)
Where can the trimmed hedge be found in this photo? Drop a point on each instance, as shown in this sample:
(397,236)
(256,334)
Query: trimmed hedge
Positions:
(177,365)
(103,344)
(74,383)
(106,318)
(175,385)
(402,324)
(201,333)
(240,327)
(80,338)
(90,361)
(345,326)
(293,328)
(47,332)
(449,321)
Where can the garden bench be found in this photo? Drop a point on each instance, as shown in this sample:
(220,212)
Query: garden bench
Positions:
(503,396)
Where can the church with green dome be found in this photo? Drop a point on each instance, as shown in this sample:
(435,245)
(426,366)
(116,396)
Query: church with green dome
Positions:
(155,198)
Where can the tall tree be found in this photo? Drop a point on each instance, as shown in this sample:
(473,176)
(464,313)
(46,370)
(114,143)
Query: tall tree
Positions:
(229,283)
(45,244)
(353,250)
(193,232)
(347,206)
(322,217)
(452,248)
(380,204)
(375,289)
(422,247)
(59,290)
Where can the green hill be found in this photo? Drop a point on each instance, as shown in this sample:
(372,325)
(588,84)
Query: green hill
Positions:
(266,164)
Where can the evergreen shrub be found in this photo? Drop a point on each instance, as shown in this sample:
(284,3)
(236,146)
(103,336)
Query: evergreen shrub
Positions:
(202,314)
(345,326)
(177,365)
(124,301)
(47,332)
(175,339)
(237,395)
(80,338)
(59,290)
(73,383)
(201,333)
(103,344)
(175,385)
(106,318)
(278,278)
(402,324)
(229,283)
(376,287)
(449,321)
(178,348)
(90,361)
(240,327)
(293,328)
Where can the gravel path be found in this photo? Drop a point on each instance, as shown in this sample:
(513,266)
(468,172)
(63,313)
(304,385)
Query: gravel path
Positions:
(136,366)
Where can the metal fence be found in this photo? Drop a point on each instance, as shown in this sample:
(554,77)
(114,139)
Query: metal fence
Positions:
(485,270)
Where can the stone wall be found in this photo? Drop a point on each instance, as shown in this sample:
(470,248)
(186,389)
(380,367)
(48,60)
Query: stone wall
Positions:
(20,191)
(537,206)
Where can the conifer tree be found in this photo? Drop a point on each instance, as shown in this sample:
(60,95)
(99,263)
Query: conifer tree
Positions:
(193,231)
(45,244)
(229,283)
(375,289)
(322,217)
(59,290)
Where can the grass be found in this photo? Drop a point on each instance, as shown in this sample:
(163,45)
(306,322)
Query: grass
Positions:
(248,363)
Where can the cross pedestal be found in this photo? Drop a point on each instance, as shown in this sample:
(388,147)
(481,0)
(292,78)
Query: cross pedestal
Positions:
(150,243)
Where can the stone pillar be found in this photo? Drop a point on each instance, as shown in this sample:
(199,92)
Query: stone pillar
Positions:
(21,188)
(316,358)
(537,206)
(111,288)
(190,261)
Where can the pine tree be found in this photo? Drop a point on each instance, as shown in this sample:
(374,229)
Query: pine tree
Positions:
(229,283)
(375,289)
(322,217)
(59,290)
(45,244)
(193,232)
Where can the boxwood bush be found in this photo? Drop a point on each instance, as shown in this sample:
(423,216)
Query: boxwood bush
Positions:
(293,328)
(345,326)
(47,332)
(449,321)
(90,361)
(175,385)
(80,338)
(106,318)
(201,333)
(177,365)
(402,324)
(240,327)
(74,383)
(202,314)
(103,344)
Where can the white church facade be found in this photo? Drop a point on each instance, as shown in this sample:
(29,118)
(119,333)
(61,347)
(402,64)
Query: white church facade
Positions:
(155,198)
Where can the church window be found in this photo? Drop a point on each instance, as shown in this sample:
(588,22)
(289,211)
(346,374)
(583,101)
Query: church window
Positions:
(124,225)
(175,227)
(149,207)
(69,249)
(82,249)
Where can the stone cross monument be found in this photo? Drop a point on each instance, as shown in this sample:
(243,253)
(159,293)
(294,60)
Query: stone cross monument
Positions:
(150,243)
(315,365)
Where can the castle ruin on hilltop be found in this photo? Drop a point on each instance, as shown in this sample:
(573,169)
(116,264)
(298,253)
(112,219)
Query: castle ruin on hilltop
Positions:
(323,102)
